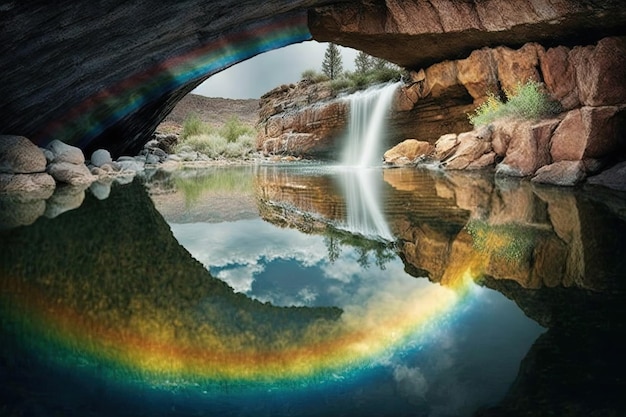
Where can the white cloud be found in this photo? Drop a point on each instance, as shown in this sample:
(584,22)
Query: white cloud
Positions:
(256,76)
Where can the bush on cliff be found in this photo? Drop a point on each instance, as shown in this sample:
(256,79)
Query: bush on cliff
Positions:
(234,139)
(349,82)
(526,101)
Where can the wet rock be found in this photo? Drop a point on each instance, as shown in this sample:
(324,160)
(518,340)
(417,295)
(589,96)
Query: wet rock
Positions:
(614,177)
(445,146)
(65,198)
(127,163)
(564,173)
(16,212)
(529,145)
(18,155)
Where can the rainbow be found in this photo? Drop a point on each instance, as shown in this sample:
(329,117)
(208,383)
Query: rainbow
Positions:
(145,349)
(80,125)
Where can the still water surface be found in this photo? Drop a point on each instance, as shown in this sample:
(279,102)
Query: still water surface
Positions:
(311,290)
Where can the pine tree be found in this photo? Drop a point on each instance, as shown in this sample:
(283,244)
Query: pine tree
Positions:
(332,65)
(362,62)
(379,63)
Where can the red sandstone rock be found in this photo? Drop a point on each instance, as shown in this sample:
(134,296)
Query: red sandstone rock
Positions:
(517,66)
(471,148)
(589,132)
(600,72)
(529,146)
(445,146)
(559,76)
(409,149)
(479,73)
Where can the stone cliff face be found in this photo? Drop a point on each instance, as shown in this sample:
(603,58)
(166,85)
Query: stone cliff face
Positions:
(436,101)
(105,75)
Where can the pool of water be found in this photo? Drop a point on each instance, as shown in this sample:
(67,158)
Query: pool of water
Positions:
(312,290)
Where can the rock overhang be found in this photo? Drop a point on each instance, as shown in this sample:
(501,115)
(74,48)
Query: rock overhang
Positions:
(105,75)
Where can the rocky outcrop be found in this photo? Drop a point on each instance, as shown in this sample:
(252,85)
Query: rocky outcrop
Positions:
(303,119)
(562,150)
(436,101)
(417,34)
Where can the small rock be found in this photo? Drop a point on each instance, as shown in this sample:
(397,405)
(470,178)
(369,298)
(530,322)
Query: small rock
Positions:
(74,174)
(66,153)
(101,157)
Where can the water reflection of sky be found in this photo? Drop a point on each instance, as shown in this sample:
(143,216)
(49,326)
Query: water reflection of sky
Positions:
(286,267)
(467,358)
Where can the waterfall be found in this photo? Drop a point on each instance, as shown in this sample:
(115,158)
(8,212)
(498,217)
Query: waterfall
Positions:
(361,157)
(368,111)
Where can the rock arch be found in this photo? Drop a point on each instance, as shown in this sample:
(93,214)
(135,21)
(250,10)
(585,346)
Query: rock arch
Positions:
(105,74)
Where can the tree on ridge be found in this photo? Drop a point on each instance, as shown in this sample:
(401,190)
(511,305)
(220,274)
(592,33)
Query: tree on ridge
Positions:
(332,65)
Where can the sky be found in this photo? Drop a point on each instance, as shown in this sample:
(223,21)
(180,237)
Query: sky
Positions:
(258,75)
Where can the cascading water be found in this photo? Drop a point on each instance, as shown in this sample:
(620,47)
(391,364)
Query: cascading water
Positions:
(361,157)
(368,111)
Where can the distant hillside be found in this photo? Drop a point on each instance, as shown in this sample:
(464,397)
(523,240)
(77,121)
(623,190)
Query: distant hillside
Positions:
(212,110)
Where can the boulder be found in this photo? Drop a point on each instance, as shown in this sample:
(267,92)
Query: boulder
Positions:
(614,177)
(445,146)
(559,76)
(600,72)
(101,157)
(74,174)
(564,173)
(529,145)
(472,146)
(18,155)
(588,132)
(66,153)
(409,150)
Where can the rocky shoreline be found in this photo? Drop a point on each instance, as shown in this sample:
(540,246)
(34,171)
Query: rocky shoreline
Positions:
(49,181)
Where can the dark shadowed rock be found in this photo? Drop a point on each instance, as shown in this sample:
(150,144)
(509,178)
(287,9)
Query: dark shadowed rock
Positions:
(565,173)
(614,177)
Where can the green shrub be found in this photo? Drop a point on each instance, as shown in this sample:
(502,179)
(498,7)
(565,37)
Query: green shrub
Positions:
(526,101)
(193,126)
(234,139)
(234,128)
